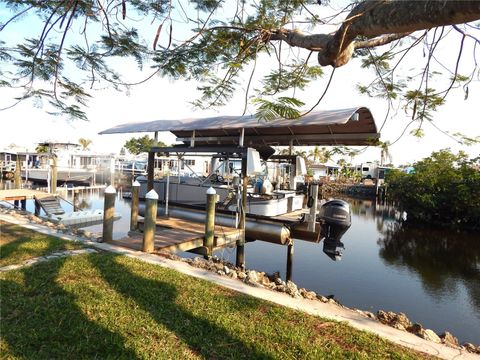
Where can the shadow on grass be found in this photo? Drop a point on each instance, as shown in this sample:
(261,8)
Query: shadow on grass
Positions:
(41,320)
(160,299)
(18,244)
(9,231)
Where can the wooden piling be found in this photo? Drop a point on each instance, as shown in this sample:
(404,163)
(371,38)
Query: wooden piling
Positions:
(53,185)
(150,224)
(18,174)
(210,221)
(108,213)
(75,200)
(134,210)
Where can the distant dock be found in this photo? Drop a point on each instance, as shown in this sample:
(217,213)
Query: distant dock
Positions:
(22,194)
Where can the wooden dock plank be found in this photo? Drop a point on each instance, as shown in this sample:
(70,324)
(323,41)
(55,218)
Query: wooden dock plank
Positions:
(174,235)
(169,240)
(198,228)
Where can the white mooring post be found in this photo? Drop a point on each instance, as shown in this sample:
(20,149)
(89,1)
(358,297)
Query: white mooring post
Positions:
(134,211)
(149,225)
(210,221)
(108,213)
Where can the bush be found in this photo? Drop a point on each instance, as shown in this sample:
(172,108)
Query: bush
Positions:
(444,190)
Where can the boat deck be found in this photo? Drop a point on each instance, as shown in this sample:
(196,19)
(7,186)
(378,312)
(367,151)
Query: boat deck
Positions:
(174,235)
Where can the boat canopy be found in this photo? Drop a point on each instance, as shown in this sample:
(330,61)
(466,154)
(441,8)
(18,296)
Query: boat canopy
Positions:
(353,126)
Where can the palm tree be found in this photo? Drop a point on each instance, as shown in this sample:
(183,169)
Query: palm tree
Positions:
(385,152)
(42,149)
(326,155)
(352,153)
(301,153)
(296,152)
(284,151)
(84,143)
(316,153)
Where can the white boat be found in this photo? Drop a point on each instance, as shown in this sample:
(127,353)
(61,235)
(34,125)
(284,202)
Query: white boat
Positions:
(72,163)
(191,191)
(63,175)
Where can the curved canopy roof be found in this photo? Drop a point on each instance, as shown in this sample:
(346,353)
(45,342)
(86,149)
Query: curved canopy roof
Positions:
(353,126)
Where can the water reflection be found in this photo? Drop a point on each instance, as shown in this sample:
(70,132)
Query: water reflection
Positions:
(440,258)
(84,204)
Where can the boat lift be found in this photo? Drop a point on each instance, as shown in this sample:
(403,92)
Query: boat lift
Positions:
(238,136)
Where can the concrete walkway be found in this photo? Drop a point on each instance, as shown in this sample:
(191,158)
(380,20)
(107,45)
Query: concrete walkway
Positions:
(312,307)
(55,255)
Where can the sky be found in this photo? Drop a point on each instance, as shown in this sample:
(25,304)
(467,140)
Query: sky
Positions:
(27,124)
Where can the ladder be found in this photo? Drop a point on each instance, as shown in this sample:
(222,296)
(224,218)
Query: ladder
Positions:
(50,204)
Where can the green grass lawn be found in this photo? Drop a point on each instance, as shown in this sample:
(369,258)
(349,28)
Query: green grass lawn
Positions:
(18,244)
(109,306)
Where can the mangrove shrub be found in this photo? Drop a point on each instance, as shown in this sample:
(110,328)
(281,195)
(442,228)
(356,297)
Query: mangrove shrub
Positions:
(443,189)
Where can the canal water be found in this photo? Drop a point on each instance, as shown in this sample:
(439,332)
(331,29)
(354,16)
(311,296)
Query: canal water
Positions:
(432,275)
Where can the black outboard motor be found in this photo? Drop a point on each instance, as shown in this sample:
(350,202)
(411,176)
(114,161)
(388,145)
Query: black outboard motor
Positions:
(333,249)
(335,219)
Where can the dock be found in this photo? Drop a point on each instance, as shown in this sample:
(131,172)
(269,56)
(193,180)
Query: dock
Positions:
(22,194)
(175,235)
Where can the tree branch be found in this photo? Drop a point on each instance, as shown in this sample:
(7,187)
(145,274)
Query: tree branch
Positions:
(296,38)
(379,41)
(382,21)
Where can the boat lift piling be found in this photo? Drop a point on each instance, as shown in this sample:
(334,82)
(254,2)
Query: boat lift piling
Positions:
(240,255)
(167,194)
(150,170)
(290,260)
(290,246)
(17,179)
(210,221)
(313,208)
